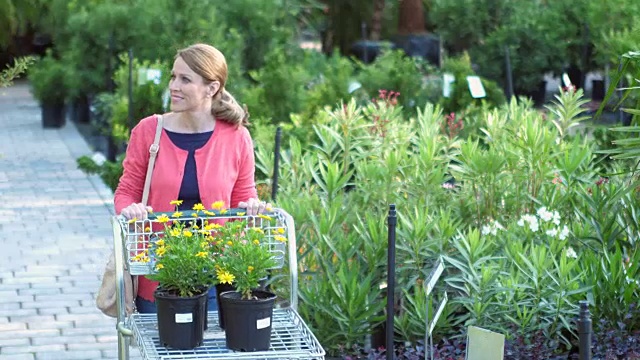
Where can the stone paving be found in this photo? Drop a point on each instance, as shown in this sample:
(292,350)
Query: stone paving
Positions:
(55,236)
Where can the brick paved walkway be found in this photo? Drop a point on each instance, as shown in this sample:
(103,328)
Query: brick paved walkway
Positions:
(54,239)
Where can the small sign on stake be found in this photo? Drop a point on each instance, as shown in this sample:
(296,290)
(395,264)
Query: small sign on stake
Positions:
(475,87)
(483,344)
(447,84)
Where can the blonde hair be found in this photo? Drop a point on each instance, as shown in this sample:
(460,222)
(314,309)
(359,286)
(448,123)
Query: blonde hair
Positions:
(208,62)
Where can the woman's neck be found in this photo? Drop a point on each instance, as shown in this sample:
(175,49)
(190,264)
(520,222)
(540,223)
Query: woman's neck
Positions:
(192,122)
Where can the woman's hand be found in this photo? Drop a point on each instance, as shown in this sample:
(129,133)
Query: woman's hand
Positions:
(255,206)
(137,211)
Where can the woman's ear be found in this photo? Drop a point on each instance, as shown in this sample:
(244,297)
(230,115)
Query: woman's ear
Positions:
(214,87)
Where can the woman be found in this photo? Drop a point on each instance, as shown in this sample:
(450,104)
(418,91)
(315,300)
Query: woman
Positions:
(206,153)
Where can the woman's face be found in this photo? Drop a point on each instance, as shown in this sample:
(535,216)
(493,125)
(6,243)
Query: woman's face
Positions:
(189,91)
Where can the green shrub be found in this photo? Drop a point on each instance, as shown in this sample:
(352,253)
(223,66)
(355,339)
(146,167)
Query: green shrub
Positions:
(394,71)
(47,77)
(460,98)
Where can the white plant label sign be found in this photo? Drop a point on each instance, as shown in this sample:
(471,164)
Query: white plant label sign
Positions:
(263,323)
(475,87)
(184,318)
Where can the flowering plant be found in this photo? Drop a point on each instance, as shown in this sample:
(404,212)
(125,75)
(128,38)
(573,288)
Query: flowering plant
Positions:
(542,227)
(184,254)
(245,257)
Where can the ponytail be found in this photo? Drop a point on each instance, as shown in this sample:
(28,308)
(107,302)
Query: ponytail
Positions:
(225,107)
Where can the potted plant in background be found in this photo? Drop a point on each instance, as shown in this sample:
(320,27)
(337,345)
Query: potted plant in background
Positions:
(184,259)
(245,260)
(47,85)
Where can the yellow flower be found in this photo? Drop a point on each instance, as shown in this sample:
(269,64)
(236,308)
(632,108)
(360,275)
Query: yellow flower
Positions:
(250,268)
(147,229)
(198,207)
(160,242)
(161,251)
(194,226)
(229,243)
(218,205)
(280,238)
(187,233)
(141,257)
(241,213)
(223,211)
(201,254)
(216,226)
(225,277)
(174,232)
(194,214)
(280,230)
(133,220)
(177,214)
(256,241)
(163,218)
(258,230)
(176,202)
(204,244)
(266,217)
(208,213)
(159,266)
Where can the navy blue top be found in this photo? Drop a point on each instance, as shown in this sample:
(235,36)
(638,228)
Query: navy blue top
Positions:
(189,191)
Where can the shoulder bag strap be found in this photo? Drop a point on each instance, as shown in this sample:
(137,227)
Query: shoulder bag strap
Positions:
(153,152)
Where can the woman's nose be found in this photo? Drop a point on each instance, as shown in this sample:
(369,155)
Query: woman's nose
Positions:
(173,86)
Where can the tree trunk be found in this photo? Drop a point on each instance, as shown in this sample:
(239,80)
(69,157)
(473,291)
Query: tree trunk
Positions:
(376,20)
(411,17)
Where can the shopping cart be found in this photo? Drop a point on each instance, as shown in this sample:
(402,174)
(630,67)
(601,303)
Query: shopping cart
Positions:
(290,336)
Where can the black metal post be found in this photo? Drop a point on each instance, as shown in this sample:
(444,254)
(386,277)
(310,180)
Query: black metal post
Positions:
(620,85)
(365,55)
(584,331)
(507,63)
(276,164)
(585,56)
(391,279)
(130,90)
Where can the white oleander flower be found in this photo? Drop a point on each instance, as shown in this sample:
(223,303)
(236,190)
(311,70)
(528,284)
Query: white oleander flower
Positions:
(544,214)
(556,218)
(571,253)
(564,233)
(552,232)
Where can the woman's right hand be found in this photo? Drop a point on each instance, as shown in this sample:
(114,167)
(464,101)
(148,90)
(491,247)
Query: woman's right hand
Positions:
(136,211)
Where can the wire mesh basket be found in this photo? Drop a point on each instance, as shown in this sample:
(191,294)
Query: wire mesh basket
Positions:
(139,236)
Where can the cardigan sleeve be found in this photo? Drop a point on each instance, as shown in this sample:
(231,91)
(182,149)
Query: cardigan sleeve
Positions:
(245,186)
(135,163)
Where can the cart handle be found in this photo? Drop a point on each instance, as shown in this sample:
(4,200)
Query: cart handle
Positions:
(206,213)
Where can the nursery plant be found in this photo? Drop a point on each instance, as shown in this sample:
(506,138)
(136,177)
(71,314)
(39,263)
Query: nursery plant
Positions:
(505,206)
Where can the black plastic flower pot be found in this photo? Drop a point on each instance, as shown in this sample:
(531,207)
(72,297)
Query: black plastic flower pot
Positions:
(53,115)
(220,288)
(181,319)
(248,322)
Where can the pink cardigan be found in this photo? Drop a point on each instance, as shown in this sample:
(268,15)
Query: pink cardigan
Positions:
(225,165)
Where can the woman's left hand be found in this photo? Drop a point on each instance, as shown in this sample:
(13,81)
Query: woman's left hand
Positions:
(255,206)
